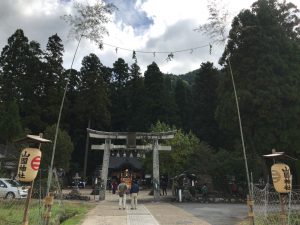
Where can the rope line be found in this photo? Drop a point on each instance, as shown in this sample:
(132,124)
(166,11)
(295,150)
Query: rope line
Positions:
(157,52)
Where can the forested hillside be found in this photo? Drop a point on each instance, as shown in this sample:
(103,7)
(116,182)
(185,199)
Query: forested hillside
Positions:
(264,51)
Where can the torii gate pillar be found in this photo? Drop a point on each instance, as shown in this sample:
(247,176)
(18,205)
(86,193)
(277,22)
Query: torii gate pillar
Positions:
(156,183)
(104,171)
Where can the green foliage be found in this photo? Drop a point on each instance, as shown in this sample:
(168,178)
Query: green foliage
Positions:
(53,79)
(3,172)
(154,94)
(33,89)
(263,48)
(264,54)
(89,21)
(75,213)
(225,164)
(161,127)
(93,100)
(188,153)
(10,124)
(120,74)
(195,156)
(204,103)
(183,147)
(119,94)
(14,66)
(21,68)
(11,212)
(64,148)
(136,96)
(182,98)
(31,81)
(190,76)
(216,25)
(158,103)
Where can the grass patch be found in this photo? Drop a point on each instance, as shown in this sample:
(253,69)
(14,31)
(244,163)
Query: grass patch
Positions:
(77,212)
(273,220)
(69,213)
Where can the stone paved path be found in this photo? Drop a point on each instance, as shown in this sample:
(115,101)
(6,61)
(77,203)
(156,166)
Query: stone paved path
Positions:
(148,213)
(141,216)
(108,213)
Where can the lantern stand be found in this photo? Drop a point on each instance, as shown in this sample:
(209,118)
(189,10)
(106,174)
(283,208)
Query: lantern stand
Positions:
(25,216)
(278,156)
(30,139)
(75,191)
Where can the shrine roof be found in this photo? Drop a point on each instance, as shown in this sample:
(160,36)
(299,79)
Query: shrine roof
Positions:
(118,162)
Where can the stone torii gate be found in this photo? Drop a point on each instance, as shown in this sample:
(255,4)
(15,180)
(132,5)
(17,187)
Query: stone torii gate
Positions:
(131,138)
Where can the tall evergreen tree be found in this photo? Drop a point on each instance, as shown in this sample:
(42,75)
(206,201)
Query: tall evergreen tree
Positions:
(31,104)
(119,95)
(21,65)
(54,81)
(91,104)
(169,102)
(93,99)
(204,98)
(156,96)
(182,97)
(264,51)
(136,93)
(71,122)
(13,62)
(120,73)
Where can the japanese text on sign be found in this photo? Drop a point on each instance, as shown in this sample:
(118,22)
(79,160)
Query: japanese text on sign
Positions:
(23,164)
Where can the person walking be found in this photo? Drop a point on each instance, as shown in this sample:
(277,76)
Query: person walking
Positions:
(122,188)
(134,191)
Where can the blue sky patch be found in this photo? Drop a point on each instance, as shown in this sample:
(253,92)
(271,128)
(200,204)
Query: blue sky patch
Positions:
(129,15)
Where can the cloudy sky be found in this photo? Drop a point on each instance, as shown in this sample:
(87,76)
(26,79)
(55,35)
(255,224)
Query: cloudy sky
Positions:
(141,25)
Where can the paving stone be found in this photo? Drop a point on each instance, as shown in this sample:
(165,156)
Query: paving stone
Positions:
(149,213)
(140,216)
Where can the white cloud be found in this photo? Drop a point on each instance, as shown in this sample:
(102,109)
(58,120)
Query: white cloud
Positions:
(169,27)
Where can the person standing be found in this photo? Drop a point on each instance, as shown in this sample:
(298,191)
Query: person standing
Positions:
(234,189)
(122,188)
(114,187)
(109,187)
(204,191)
(134,194)
(164,185)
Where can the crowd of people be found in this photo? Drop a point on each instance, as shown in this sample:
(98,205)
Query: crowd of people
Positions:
(123,190)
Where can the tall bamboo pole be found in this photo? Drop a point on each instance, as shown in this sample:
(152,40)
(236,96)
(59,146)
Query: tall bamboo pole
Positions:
(250,197)
(58,122)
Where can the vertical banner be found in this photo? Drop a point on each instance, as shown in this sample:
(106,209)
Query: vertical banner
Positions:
(29,164)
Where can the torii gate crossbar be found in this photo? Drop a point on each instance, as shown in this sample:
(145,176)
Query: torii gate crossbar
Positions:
(154,146)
